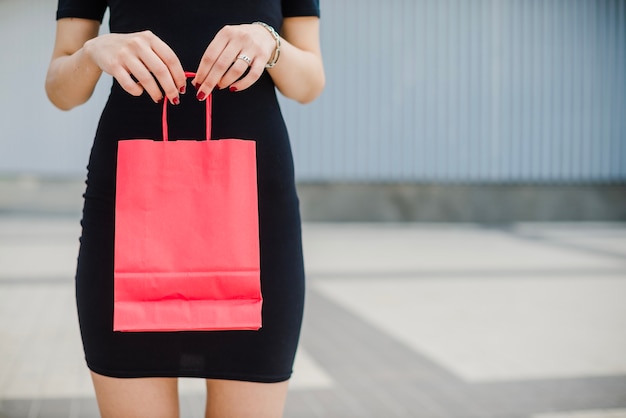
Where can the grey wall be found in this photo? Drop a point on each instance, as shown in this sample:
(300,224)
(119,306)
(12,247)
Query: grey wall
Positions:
(468,91)
(34,136)
(418,91)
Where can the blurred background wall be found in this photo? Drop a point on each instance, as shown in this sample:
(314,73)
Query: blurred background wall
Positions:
(436,110)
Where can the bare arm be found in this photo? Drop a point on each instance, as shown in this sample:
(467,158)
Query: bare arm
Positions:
(80,56)
(72,76)
(299,73)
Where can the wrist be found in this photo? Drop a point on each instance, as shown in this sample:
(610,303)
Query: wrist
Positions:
(87,53)
(276,55)
(88,58)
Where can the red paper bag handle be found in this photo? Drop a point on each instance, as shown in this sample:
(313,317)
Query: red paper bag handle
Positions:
(209,103)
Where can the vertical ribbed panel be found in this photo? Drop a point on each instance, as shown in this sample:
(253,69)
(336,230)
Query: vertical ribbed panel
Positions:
(467,90)
(34,136)
(418,90)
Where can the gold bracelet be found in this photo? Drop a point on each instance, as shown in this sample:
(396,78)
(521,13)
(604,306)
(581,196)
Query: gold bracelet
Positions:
(272,62)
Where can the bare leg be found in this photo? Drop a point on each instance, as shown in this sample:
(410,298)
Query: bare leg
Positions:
(136,398)
(234,399)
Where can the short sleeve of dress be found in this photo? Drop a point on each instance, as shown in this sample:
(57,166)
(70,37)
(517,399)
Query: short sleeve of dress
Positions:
(294,8)
(85,9)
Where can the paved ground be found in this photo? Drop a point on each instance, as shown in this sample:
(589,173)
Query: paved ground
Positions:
(411,320)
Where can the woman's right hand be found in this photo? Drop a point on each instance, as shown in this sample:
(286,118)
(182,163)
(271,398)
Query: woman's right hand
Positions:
(141,55)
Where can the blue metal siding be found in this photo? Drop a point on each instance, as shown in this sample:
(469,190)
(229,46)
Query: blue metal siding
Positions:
(467,91)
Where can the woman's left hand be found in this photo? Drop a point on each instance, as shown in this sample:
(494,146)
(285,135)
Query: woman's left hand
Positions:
(226,58)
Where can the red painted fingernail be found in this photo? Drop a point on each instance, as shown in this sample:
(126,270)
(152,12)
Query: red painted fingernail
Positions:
(176,101)
(183,89)
(197,86)
(160,100)
(200,95)
(233,89)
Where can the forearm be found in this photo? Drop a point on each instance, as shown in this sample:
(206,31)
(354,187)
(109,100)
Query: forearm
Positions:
(71,79)
(299,74)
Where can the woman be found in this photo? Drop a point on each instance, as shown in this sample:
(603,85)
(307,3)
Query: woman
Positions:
(150,46)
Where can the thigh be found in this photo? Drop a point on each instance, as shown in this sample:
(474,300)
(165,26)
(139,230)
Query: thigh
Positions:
(235,399)
(137,397)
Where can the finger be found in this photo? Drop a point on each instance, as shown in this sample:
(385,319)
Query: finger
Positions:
(217,71)
(222,65)
(255,72)
(138,69)
(171,61)
(209,58)
(125,80)
(236,70)
(159,70)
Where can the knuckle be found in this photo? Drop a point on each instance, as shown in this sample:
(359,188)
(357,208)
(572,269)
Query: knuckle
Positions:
(122,55)
(152,90)
(212,81)
(169,60)
(255,73)
(131,87)
(181,77)
(120,74)
(246,37)
(221,66)
(228,29)
(135,42)
(160,72)
(115,65)
(141,38)
(199,79)
(145,81)
(207,59)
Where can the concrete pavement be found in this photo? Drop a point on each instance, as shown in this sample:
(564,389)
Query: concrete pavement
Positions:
(402,320)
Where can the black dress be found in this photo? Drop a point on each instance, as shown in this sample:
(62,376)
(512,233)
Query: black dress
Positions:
(260,356)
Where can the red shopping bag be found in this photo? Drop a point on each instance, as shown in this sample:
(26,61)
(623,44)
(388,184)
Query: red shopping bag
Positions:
(186,234)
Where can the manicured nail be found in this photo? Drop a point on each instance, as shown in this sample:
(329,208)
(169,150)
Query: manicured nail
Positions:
(176,101)
(183,89)
(197,86)
(160,100)
(200,95)
(233,89)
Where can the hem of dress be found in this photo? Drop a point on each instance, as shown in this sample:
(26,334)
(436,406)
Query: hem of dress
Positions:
(190,374)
